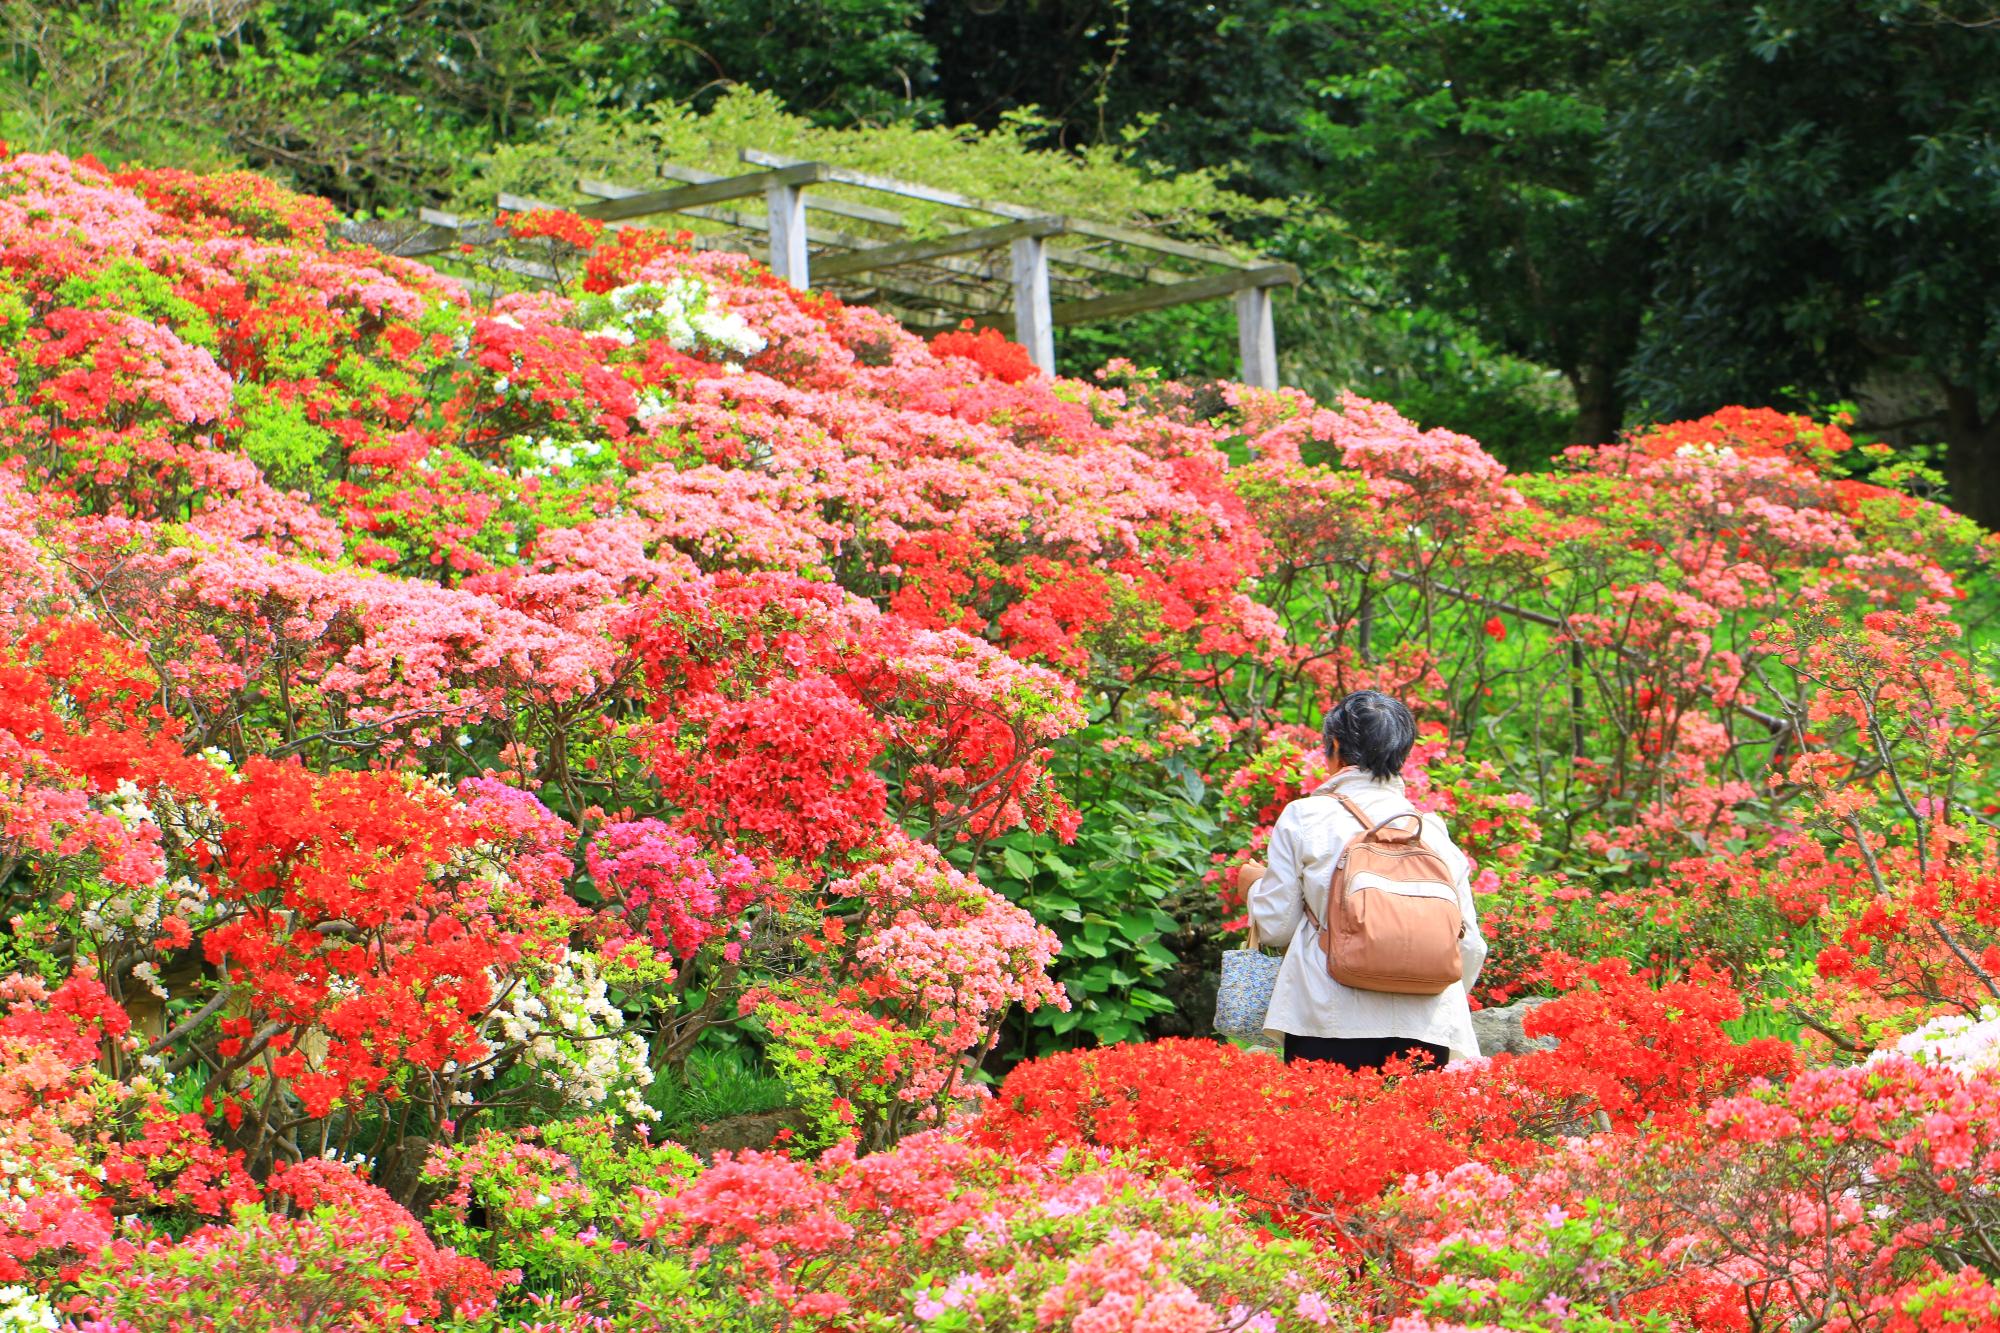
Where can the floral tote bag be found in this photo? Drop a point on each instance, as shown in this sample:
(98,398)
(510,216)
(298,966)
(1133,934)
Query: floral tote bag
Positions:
(1249,976)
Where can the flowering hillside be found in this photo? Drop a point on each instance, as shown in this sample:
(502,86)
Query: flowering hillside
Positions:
(433,718)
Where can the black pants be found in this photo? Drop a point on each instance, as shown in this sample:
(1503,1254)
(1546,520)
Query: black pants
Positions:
(1360,1052)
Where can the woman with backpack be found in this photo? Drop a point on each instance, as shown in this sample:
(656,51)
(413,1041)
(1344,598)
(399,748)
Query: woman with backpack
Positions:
(1372,904)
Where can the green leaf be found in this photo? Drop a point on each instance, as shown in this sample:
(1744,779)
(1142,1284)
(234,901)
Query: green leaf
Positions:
(1149,1001)
(1137,927)
(1052,904)
(1095,980)
(1117,1030)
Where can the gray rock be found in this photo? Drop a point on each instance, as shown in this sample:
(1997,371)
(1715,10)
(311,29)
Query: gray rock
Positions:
(741,1132)
(401,1172)
(1499,1030)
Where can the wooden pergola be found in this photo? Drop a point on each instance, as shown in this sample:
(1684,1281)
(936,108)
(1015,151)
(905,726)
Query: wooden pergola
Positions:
(1004,265)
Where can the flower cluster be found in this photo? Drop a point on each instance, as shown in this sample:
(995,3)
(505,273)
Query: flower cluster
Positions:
(682,311)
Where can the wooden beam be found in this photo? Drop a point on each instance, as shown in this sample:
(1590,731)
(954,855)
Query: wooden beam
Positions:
(411,246)
(949,301)
(964,302)
(402,239)
(868,180)
(452,230)
(1031,302)
(1165,245)
(980,270)
(925,324)
(937,247)
(713,192)
(1256,337)
(447,231)
(1001,320)
(1096,263)
(751,222)
(1119,304)
(1131,236)
(819,202)
(728,217)
(522,203)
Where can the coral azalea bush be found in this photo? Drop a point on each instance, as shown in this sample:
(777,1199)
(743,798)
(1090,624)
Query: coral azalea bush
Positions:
(436,727)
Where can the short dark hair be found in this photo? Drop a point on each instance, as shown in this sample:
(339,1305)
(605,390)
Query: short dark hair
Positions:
(1372,731)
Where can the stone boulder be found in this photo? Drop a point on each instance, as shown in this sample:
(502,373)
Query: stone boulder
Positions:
(1499,1030)
(739,1133)
(401,1172)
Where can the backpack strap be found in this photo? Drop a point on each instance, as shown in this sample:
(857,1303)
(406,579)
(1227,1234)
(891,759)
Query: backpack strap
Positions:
(1372,829)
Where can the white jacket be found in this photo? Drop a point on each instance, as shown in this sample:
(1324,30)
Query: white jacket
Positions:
(1308,1002)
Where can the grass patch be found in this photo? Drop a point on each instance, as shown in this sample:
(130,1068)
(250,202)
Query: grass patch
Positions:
(715,1084)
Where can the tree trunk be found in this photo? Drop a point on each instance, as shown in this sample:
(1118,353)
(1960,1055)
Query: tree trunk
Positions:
(1972,457)
(1600,407)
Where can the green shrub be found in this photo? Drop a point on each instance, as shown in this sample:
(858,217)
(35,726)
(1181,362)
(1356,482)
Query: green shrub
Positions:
(716,1083)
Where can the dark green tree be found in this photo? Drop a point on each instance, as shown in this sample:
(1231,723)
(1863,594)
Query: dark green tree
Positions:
(1213,83)
(1821,179)
(839,62)
(1468,136)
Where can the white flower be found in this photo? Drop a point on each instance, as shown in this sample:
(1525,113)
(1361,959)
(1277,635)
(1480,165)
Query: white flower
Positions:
(149,973)
(684,312)
(22,1311)
(1965,1044)
(1706,452)
(128,805)
(572,1035)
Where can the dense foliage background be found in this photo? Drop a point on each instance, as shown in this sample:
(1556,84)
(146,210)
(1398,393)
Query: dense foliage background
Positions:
(1537,221)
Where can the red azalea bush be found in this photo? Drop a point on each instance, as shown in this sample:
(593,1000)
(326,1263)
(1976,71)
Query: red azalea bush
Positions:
(992,351)
(1314,1140)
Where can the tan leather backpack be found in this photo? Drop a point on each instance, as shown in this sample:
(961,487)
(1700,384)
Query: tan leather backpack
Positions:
(1393,920)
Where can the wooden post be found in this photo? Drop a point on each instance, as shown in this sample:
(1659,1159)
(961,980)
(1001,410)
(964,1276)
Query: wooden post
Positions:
(786,204)
(1256,339)
(1033,328)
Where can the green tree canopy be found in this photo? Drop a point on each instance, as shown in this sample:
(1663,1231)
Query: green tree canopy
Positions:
(1821,179)
(1468,136)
